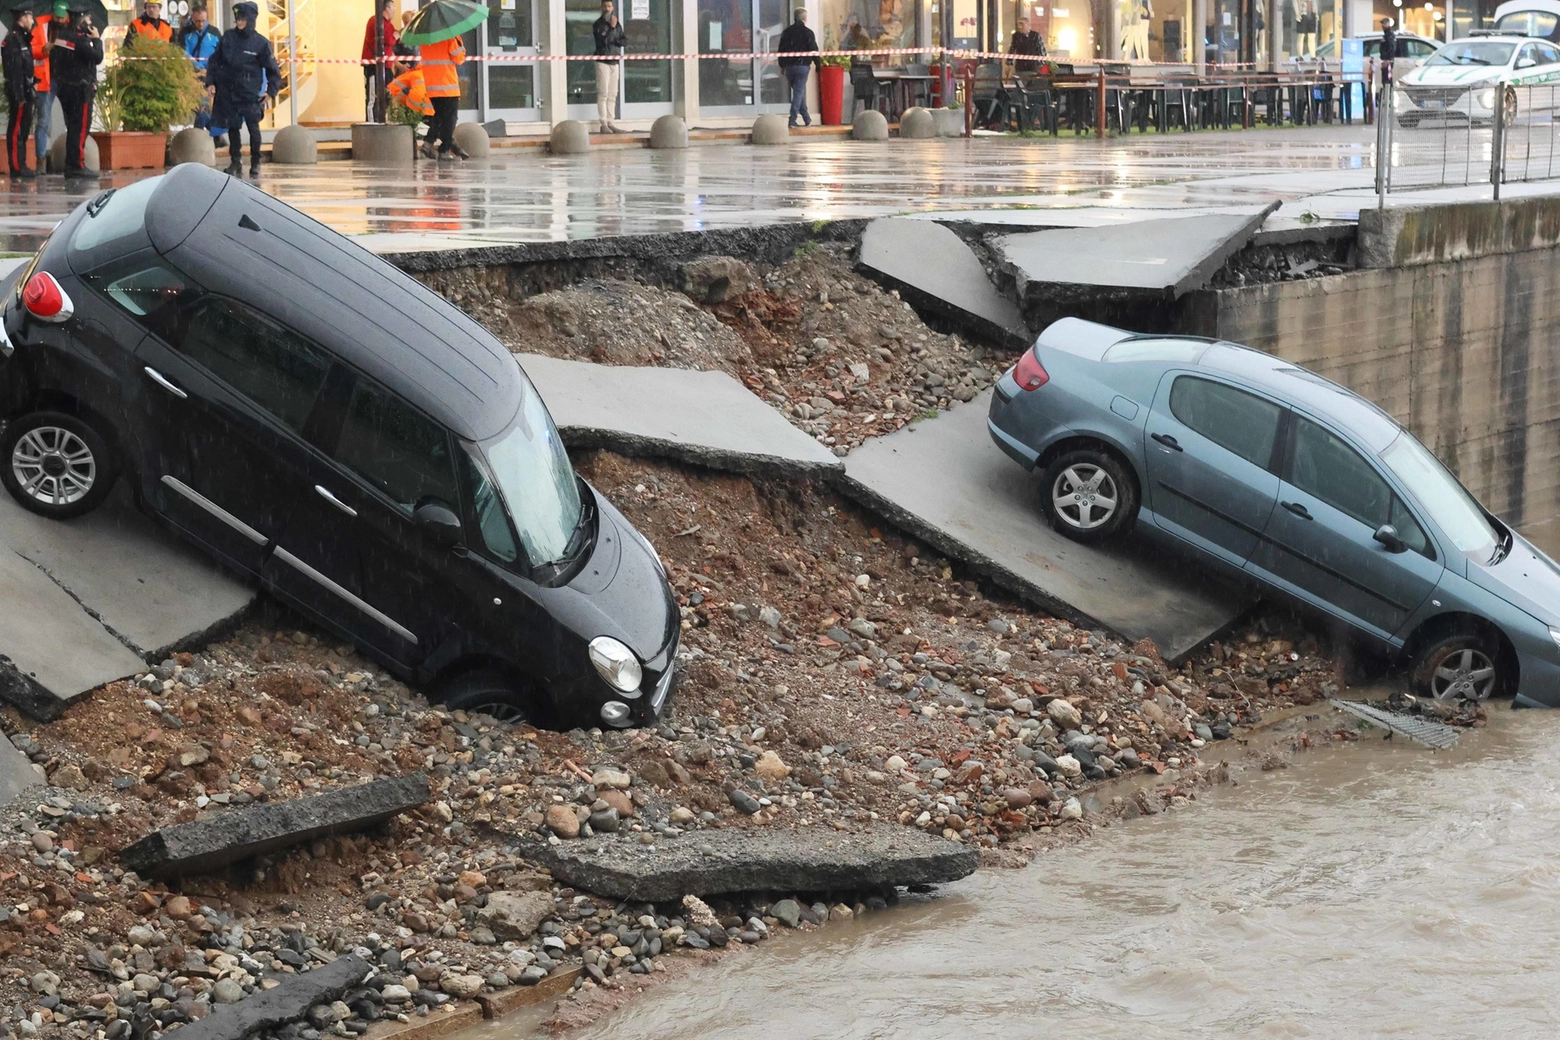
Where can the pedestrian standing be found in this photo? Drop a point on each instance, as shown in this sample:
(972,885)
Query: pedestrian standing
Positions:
(610,40)
(378,52)
(801,45)
(200,40)
(243,77)
(21,90)
(151,24)
(45,28)
(441,78)
(74,61)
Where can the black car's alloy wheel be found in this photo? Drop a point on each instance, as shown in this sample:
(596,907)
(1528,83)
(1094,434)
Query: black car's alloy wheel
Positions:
(1458,667)
(55,464)
(489,693)
(1088,495)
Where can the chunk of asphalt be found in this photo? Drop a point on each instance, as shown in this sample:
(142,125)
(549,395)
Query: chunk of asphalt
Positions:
(809,859)
(286,1003)
(234,834)
(934,269)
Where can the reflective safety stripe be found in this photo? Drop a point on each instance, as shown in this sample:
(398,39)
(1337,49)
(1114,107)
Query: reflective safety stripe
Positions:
(437,61)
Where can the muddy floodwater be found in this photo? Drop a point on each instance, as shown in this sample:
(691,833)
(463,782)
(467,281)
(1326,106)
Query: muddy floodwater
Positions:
(1373,890)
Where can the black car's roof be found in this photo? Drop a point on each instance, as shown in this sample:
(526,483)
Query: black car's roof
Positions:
(238,241)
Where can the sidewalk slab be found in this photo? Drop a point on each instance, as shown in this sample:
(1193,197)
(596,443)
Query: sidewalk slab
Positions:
(16,772)
(934,269)
(703,418)
(146,586)
(945,482)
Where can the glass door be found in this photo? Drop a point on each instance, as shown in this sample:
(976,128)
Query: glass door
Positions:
(772,16)
(509,67)
(646,86)
(725,27)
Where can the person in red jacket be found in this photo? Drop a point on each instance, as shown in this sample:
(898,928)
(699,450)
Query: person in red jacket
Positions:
(377,55)
(151,23)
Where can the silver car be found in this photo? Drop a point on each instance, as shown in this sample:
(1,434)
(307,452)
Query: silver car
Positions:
(1262,468)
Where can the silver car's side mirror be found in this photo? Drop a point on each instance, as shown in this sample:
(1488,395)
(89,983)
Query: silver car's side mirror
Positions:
(1387,535)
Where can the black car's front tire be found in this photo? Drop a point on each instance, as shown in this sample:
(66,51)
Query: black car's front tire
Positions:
(485,692)
(56,465)
(1088,494)
(1461,665)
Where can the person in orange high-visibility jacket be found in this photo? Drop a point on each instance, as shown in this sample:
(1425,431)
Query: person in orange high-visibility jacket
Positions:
(41,42)
(440,76)
(409,89)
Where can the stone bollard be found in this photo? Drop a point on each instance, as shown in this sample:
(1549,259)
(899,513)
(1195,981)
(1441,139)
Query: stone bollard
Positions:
(870,126)
(917,124)
(191,145)
(382,143)
(771,129)
(89,155)
(669,132)
(472,138)
(570,138)
(295,146)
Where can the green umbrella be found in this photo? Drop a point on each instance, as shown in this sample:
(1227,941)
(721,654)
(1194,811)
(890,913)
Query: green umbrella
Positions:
(443,20)
(95,9)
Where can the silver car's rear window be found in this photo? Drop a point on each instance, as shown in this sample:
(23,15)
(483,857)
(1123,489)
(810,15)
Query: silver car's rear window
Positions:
(1174,351)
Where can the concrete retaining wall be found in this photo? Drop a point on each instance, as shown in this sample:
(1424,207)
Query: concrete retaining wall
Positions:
(1460,351)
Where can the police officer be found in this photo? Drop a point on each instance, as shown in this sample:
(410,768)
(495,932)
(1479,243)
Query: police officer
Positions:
(1388,50)
(73,65)
(21,90)
(244,77)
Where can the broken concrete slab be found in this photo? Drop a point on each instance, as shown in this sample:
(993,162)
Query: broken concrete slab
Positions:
(516,915)
(227,836)
(809,859)
(943,481)
(285,1003)
(936,270)
(501,1003)
(1172,256)
(51,651)
(704,418)
(16,772)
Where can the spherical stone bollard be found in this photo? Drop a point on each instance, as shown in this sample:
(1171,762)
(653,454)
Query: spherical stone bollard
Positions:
(870,126)
(472,138)
(771,129)
(570,138)
(917,124)
(89,154)
(669,132)
(295,146)
(192,146)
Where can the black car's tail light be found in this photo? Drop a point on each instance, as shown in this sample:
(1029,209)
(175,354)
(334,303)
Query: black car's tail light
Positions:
(1029,374)
(45,300)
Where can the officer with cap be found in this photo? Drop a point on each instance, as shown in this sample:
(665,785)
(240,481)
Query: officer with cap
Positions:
(73,65)
(21,90)
(243,77)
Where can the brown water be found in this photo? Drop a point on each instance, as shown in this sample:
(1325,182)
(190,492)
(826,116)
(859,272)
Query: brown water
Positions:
(1376,890)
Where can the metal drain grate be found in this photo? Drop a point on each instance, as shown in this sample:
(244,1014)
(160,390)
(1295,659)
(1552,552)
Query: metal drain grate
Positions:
(1430,734)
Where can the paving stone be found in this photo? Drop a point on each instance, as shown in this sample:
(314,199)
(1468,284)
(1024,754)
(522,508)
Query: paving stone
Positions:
(16,772)
(935,270)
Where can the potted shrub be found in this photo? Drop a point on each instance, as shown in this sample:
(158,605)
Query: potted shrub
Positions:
(139,100)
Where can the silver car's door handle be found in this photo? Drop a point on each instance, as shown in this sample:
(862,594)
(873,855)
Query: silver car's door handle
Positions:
(333,500)
(162,381)
(1167,440)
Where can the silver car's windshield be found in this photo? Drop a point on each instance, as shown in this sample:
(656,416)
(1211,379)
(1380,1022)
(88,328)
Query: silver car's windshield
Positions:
(534,476)
(1473,52)
(1454,511)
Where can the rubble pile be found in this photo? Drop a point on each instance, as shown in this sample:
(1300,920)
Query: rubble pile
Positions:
(834,675)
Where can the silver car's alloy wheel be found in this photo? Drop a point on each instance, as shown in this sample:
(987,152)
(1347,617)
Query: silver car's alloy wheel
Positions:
(53,465)
(1465,674)
(1084,496)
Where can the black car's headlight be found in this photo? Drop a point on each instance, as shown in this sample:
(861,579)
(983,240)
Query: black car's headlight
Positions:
(616,664)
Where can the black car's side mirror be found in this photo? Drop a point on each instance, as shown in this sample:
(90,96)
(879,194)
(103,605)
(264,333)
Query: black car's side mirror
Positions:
(438,523)
(1387,535)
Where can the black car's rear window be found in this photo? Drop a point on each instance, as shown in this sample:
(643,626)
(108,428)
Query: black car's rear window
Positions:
(115,217)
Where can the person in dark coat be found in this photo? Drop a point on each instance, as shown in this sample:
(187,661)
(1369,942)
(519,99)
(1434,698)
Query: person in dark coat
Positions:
(21,90)
(797,37)
(244,77)
(73,65)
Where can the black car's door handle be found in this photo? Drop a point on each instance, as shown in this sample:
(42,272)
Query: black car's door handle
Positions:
(162,381)
(1168,441)
(1298,509)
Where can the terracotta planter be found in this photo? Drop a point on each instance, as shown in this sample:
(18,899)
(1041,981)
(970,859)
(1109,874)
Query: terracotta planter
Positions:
(131,150)
(831,94)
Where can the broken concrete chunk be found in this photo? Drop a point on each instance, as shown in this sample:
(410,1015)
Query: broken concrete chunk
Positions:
(16,772)
(287,1002)
(810,859)
(935,270)
(516,915)
(222,838)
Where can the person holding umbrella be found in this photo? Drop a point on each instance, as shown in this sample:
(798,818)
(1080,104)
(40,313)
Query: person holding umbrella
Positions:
(243,77)
(436,31)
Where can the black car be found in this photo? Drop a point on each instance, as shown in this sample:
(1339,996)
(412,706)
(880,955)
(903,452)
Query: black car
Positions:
(317,419)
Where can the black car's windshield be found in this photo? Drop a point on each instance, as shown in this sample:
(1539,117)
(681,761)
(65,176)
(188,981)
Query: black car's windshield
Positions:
(1454,511)
(1473,52)
(537,482)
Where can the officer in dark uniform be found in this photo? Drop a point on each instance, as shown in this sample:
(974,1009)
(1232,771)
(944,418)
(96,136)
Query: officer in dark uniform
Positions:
(73,64)
(21,90)
(244,77)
